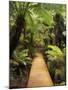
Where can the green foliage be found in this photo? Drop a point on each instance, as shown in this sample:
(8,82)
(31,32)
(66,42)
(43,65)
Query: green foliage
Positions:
(55,52)
(56,63)
(22,57)
(39,33)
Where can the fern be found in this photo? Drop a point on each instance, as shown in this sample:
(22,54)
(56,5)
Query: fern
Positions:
(54,53)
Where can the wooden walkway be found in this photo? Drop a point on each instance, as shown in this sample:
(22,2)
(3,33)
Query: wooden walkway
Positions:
(39,74)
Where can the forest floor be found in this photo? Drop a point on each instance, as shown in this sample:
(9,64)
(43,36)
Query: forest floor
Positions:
(39,74)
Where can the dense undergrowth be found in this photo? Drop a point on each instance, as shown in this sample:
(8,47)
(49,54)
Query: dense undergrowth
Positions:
(37,27)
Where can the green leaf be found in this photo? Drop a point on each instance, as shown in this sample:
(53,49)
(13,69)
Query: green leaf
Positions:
(54,53)
(56,50)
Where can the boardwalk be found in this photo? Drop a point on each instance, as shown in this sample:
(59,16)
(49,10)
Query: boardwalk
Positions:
(39,75)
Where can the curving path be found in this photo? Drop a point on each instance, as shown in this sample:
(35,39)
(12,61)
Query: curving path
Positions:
(39,74)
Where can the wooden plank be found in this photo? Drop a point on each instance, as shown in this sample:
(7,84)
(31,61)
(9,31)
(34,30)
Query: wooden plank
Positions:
(39,74)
